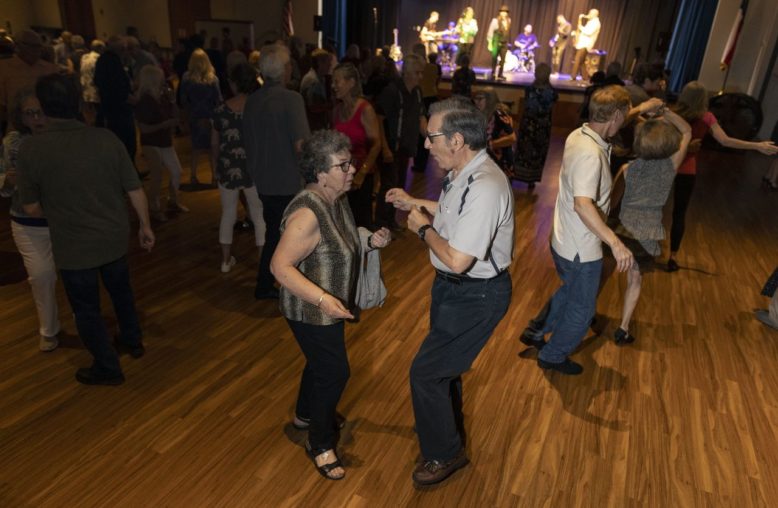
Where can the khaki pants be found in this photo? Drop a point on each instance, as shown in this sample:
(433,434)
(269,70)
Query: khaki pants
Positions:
(34,244)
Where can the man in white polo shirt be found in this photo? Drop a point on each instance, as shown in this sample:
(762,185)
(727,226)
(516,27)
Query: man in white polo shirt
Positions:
(579,230)
(471,247)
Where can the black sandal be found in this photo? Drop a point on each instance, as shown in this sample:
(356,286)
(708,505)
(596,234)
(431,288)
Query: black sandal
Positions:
(622,337)
(324,469)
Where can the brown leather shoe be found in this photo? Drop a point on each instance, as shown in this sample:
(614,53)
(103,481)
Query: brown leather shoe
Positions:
(434,471)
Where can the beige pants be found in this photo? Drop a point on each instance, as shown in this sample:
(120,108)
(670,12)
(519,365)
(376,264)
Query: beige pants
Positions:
(229,199)
(158,158)
(34,244)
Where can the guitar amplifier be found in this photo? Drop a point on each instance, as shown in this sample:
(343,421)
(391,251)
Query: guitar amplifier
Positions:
(595,61)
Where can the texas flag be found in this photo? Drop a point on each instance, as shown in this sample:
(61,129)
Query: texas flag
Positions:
(734,33)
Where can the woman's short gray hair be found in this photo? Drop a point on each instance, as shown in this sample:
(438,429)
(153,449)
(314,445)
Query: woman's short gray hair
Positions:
(461,116)
(272,62)
(317,149)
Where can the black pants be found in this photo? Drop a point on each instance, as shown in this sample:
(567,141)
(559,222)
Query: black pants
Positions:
(501,51)
(462,318)
(684,185)
(272,211)
(324,379)
(83,290)
(361,203)
(122,123)
(393,174)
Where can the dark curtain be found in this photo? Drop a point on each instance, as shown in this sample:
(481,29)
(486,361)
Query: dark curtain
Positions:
(626,24)
(334,23)
(690,38)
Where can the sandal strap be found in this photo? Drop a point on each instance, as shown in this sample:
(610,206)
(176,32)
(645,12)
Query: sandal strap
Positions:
(327,468)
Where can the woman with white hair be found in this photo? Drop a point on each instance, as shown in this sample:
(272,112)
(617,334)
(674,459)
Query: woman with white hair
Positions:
(157,116)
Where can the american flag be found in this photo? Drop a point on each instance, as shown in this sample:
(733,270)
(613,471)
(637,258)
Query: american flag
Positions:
(734,34)
(287,19)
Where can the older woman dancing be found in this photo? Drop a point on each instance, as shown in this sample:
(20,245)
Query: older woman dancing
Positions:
(316,264)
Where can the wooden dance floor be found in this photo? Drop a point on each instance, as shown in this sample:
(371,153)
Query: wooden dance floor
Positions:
(686,416)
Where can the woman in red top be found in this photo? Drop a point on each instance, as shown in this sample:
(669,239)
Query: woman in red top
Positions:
(356,118)
(692,106)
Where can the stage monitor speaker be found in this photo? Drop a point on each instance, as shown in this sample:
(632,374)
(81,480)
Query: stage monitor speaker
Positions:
(595,61)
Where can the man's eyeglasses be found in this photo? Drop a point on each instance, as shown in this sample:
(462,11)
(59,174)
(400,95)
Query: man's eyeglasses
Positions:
(32,113)
(433,135)
(344,166)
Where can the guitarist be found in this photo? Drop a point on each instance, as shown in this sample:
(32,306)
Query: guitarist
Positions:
(497,38)
(429,34)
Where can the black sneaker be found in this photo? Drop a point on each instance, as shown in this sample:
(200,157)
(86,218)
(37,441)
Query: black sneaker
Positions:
(568,367)
(87,377)
(528,339)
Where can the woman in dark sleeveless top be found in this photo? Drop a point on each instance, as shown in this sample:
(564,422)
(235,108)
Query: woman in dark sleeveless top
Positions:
(316,263)
(660,146)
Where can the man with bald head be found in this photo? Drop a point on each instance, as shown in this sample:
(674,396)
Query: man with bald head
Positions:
(22,70)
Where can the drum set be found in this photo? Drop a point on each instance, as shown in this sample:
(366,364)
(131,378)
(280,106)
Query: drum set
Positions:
(520,60)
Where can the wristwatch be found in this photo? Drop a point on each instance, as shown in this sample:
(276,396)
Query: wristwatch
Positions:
(423,231)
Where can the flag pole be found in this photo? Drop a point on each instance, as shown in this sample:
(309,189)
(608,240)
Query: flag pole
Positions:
(725,68)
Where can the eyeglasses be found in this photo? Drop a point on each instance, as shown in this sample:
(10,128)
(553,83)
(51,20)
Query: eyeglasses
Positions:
(33,113)
(344,166)
(433,135)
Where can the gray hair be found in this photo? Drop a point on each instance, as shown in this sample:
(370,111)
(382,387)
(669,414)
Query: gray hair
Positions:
(461,117)
(413,62)
(317,149)
(272,62)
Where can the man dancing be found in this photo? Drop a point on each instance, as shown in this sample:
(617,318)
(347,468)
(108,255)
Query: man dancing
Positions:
(471,247)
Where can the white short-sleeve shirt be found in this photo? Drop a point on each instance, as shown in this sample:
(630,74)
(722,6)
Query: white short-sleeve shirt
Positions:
(585,173)
(475,215)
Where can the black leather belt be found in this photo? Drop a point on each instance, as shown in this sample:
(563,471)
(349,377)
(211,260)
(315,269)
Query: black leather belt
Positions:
(455,278)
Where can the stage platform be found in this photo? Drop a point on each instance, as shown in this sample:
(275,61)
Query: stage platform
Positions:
(561,82)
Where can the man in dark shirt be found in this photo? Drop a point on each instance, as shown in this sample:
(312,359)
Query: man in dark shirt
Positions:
(114,85)
(79,176)
(400,109)
(274,127)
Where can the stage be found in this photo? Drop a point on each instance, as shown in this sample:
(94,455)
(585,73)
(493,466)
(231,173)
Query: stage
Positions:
(483,75)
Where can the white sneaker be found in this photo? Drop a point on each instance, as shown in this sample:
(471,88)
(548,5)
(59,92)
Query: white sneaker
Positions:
(226,267)
(47,344)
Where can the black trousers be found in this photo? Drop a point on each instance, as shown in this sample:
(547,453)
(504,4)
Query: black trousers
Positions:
(682,195)
(272,211)
(324,379)
(501,51)
(121,123)
(83,291)
(393,174)
(361,203)
(462,318)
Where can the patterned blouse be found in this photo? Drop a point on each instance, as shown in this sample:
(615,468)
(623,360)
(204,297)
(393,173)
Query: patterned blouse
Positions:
(333,263)
(231,165)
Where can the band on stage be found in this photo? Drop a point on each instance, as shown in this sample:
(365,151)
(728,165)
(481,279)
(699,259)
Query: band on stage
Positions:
(519,56)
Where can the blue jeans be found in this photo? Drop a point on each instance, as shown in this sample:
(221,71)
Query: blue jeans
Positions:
(462,318)
(571,308)
(82,288)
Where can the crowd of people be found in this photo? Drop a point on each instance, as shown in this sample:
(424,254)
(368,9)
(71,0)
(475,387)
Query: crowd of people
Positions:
(320,202)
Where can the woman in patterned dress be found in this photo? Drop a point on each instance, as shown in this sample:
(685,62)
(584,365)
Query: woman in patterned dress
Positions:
(535,127)
(228,156)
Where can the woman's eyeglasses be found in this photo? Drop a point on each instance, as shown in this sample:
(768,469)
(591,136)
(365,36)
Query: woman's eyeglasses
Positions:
(344,166)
